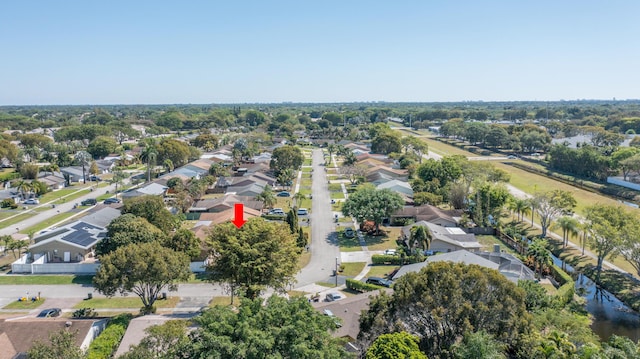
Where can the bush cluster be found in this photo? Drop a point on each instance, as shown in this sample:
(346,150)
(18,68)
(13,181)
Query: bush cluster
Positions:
(361,286)
(107,342)
(389,259)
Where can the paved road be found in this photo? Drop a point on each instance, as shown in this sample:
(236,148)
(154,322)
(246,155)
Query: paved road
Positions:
(324,248)
(60,208)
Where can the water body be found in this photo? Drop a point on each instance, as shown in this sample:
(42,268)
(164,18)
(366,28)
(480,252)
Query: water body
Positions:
(610,315)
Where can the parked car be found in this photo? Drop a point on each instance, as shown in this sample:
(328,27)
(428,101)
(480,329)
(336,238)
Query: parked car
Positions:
(95,179)
(379,281)
(284,194)
(89,202)
(31,201)
(277,211)
(512,157)
(303,211)
(50,313)
(332,297)
(349,233)
(390,252)
(111,201)
(535,155)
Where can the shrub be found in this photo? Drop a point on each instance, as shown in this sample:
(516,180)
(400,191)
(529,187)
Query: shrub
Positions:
(359,286)
(108,341)
(274,217)
(85,313)
(389,259)
(7,202)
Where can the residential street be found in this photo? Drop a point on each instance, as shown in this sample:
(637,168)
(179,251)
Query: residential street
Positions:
(324,249)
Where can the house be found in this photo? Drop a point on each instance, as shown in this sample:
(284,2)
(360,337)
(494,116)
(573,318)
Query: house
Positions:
(74,242)
(246,181)
(264,157)
(154,189)
(391,172)
(251,190)
(10,194)
(445,239)
(429,213)
(17,336)
(401,187)
(224,203)
(53,182)
(228,215)
(506,264)
(201,165)
(105,166)
(75,173)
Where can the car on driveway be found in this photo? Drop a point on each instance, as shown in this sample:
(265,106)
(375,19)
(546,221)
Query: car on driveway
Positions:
(512,157)
(390,252)
(50,313)
(277,212)
(333,296)
(111,201)
(379,281)
(31,201)
(303,211)
(284,194)
(349,233)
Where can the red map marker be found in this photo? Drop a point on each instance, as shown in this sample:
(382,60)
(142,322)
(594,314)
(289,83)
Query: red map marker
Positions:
(239,220)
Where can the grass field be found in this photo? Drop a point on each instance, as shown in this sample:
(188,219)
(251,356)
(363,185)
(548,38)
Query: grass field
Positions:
(124,302)
(26,305)
(47,222)
(352,269)
(381,270)
(44,279)
(488,242)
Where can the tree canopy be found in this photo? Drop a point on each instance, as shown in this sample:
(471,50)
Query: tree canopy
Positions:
(445,300)
(371,204)
(260,254)
(286,157)
(400,345)
(128,229)
(154,210)
(144,269)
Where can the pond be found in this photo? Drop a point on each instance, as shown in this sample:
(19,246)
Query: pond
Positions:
(610,315)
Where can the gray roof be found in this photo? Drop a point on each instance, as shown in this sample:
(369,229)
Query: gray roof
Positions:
(102,217)
(79,233)
(461,256)
(452,235)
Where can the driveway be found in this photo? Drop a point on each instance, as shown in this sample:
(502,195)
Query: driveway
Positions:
(323,247)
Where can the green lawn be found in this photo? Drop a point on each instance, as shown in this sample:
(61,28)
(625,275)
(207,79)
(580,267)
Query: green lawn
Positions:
(224,300)
(26,305)
(335,187)
(124,302)
(47,222)
(347,244)
(381,270)
(306,170)
(337,195)
(386,241)
(44,279)
(352,269)
(305,182)
(488,241)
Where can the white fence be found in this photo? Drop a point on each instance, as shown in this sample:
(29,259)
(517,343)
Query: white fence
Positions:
(40,266)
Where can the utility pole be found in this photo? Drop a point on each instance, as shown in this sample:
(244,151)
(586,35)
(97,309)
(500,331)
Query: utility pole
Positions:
(336,271)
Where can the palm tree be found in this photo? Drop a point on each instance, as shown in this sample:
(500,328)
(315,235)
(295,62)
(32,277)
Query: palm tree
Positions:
(23,186)
(267,197)
(569,226)
(421,236)
(168,164)
(298,198)
(117,179)
(540,254)
(149,156)
(520,206)
(54,168)
(83,158)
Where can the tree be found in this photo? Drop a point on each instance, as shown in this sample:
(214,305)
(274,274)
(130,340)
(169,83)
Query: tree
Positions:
(400,345)
(149,155)
(292,220)
(551,204)
(83,158)
(128,229)
(354,173)
(153,209)
(184,241)
(607,227)
(286,157)
(117,179)
(386,143)
(173,150)
(630,165)
(521,206)
(62,344)
(281,328)
(267,197)
(479,345)
(421,237)
(144,269)
(298,197)
(444,301)
(569,226)
(258,255)
(540,254)
(165,341)
(102,146)
(371,204)
(207,141)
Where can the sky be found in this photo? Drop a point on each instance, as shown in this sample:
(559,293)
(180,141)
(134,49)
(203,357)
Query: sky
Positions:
(205,52)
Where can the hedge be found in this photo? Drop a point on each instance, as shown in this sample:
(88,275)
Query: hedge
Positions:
(361,286)
(389,259)
(108,341)
(567,288)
